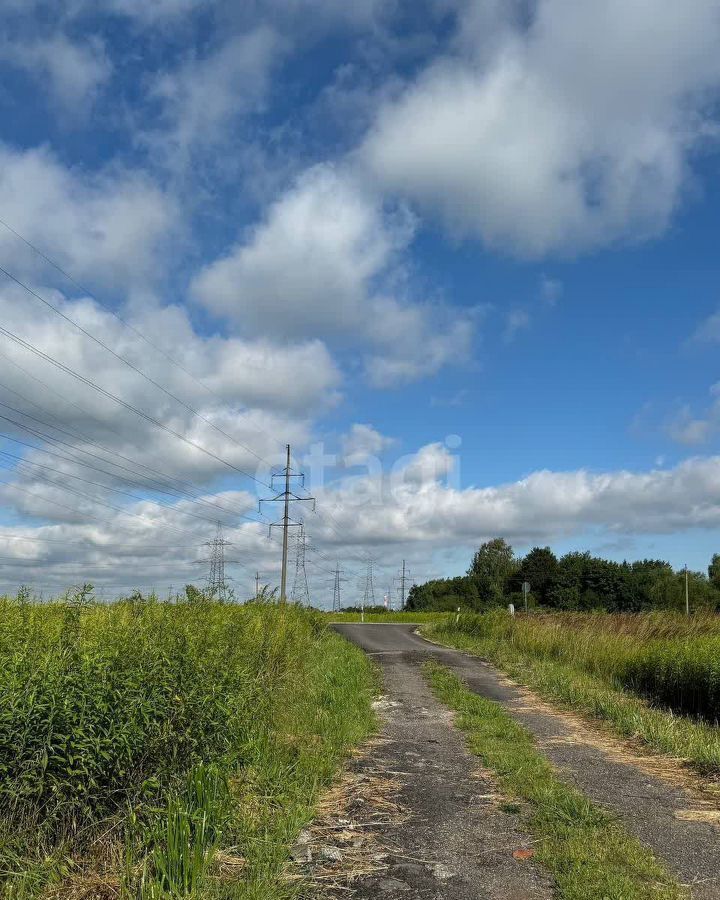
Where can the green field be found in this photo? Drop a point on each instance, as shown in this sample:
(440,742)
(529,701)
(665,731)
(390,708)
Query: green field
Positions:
(655,677)
(142,744)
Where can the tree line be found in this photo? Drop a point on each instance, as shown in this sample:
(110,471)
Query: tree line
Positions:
(575,581)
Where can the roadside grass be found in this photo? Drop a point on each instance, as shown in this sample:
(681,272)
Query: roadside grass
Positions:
(566,676)
(667,657)
(155,751)
(324,713)
(587,850)
(671,658)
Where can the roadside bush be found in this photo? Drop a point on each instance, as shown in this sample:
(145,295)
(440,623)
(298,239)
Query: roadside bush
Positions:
(171,728)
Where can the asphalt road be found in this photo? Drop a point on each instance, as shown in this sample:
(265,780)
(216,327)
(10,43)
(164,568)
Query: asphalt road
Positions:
(458,842)
(679,824)
(388,638)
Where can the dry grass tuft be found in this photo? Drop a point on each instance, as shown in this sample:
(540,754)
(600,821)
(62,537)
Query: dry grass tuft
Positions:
(342,843)
(87,886)
(578,729)
(707,814)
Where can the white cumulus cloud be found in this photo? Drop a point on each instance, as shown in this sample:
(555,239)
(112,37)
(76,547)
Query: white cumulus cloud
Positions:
(109,226)
(568,133)
(325,261)
(362,441)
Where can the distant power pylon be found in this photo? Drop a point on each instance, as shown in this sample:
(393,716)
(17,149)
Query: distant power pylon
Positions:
(300,590)
(336,588)
(369,591)
(217,586)
(403,577)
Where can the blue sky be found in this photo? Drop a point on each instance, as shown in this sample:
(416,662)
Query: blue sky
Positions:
(372,227)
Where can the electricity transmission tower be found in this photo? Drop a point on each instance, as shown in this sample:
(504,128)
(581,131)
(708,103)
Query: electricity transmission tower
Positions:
(217,586)
(369,591)
(403,577)
(286,497)
(300,590)
(336,588)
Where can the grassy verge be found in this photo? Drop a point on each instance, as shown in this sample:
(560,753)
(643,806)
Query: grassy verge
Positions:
(588,851)
(671,659)
(324,712)
(154,751)
(594,695)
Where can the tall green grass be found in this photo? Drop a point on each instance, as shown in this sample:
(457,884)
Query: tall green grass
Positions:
(670,659)
(167,731)
(596,664)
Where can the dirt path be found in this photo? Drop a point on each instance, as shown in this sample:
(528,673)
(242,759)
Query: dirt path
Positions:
(677,823)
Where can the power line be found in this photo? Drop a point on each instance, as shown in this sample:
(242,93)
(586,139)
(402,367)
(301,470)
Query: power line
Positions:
(189,494)
(74,510)
(143,546)
(24,464)
(109,395)
(179,494)
(91,566)
(101,502)
(152,487)
(125,323)
(128,363)
(150,343)
(27,345)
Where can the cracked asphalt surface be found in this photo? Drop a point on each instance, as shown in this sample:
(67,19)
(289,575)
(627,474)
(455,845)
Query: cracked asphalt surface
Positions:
(458,842)
(457,823)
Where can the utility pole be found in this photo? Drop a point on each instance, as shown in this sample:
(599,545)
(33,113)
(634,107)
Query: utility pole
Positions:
(402,588)
(687,593)
(257,585)
(286,520)
(286,497)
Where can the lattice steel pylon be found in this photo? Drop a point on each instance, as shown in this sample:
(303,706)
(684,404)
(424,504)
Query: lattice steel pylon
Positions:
(369,592)
(300,589)
(403,578)
(337,585)
(217,586)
